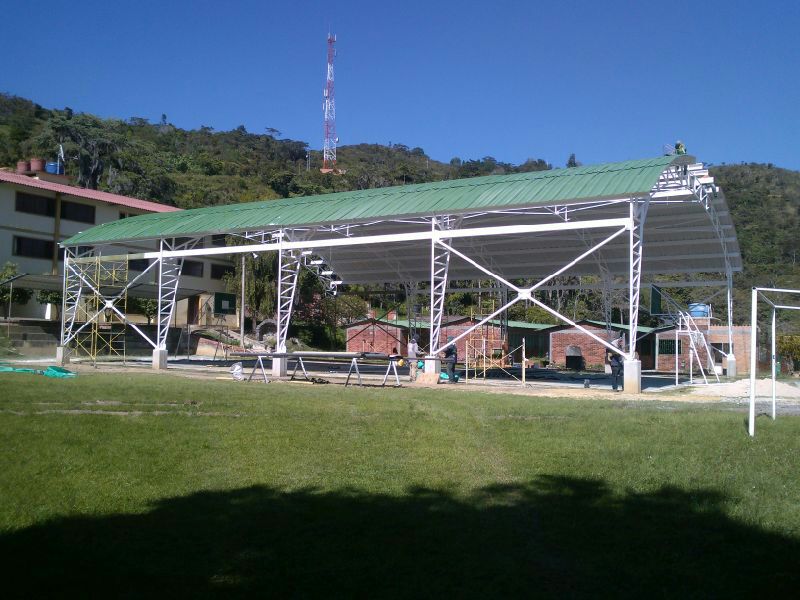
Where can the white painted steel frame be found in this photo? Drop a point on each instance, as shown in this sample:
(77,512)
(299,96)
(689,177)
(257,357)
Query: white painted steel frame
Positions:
(677,185)
(755,294)
(527,294)
(288,270)
(74,272)
(169,274)
(440,265)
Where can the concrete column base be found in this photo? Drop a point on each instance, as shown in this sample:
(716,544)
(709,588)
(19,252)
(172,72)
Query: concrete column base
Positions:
(433,365)
(731,365)
(63,355)
(280,367)
(160,359)
(633,376)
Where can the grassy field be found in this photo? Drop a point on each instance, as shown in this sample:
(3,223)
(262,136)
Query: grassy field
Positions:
(139,484)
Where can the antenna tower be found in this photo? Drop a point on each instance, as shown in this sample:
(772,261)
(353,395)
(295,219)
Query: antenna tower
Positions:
(329,110)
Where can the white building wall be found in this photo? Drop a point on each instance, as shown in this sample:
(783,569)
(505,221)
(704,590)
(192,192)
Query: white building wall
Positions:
(15,223)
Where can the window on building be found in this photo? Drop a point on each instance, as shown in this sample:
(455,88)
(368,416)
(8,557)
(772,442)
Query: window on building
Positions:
(668,346)
(219,240)
(125,215)
(192,268)
(35,205)
(75,211)
(33,248)
(721,350)
(219,271)
(138,264)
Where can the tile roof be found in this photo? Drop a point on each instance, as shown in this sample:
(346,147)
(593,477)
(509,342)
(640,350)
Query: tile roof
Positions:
(71,190)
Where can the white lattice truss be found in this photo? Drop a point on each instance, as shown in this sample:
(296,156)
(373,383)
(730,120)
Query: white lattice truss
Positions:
(288,268)
(686,224)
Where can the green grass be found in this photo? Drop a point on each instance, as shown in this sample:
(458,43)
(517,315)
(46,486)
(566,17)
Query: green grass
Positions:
(139,484)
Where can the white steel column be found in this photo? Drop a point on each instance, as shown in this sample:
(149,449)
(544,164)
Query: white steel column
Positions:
(440,264)
(169,275)
(70,301)
(731,371)
(773,361)
(241,308)
(633,366)
(288,269)
(751,424)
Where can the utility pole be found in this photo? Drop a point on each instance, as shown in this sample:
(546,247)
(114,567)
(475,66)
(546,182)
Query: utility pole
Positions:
(329,111)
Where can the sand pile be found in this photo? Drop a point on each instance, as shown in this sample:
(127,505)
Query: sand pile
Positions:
(741,389)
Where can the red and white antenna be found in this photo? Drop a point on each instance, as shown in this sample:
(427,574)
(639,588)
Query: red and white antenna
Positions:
(329,110)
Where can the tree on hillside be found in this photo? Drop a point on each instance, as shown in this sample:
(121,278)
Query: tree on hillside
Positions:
(92,143)
(572,161)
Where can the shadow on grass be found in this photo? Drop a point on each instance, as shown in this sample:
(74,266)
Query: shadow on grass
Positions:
(555,536)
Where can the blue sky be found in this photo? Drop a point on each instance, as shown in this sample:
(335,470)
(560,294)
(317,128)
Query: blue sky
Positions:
(606,80)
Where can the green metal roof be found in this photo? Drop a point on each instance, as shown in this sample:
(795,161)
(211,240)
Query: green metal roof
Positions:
(640,328)
(610,180)
(526,325)
(405,324)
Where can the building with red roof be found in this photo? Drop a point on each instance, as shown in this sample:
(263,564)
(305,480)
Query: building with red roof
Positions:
(40,209)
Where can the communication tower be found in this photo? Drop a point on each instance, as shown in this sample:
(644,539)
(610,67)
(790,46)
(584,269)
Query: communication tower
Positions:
(329,111)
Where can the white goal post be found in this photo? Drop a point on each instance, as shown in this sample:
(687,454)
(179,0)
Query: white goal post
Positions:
(761,292)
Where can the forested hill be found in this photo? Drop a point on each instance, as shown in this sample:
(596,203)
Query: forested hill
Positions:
(764,201)
(190,168)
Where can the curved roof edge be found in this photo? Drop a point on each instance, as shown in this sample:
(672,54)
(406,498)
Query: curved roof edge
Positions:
(556,186)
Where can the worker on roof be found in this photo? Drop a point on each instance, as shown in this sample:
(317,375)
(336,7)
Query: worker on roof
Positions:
(680,148)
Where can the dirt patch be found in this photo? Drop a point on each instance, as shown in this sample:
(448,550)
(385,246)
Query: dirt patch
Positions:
(741,389)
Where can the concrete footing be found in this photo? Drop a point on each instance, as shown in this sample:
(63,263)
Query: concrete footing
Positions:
(63,355)
(633,376)
(731,371)
(160,359)
(433,365)
(280,367)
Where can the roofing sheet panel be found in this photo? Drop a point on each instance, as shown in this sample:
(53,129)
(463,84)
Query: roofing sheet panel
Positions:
(496,191)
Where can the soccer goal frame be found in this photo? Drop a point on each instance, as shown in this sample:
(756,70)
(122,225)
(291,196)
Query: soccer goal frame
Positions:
(762,293)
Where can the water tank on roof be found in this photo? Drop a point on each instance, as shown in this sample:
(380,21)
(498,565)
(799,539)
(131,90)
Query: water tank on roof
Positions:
(54,168)
(697,309)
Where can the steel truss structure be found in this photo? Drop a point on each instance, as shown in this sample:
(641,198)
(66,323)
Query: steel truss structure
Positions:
(681,226)
(96,286)
(764,294)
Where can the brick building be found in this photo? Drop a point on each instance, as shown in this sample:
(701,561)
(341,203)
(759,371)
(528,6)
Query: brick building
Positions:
(386,334)
(592,351)
(717,336)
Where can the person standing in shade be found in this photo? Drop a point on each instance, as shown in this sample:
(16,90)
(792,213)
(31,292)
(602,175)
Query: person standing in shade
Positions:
(450,357)
(615,360)
(412,351)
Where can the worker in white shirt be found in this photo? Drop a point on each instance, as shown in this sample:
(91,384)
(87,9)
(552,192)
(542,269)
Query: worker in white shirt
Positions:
(413,350)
